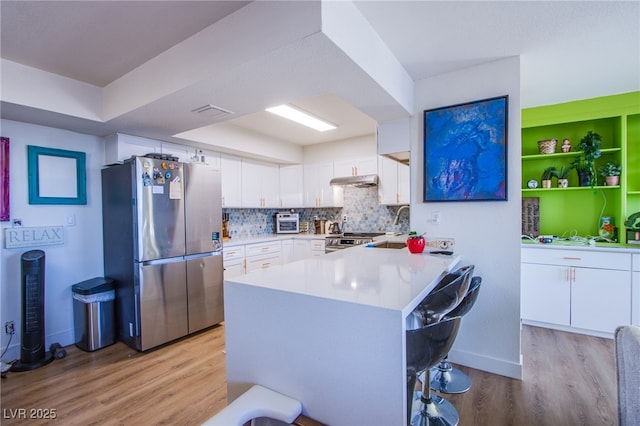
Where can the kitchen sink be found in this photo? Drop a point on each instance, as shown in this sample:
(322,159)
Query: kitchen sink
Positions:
(391,244)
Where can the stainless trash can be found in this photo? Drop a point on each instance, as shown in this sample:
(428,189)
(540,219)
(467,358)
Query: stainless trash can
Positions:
(94,313)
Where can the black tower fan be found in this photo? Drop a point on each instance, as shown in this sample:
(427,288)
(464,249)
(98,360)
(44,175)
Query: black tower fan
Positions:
(32,349)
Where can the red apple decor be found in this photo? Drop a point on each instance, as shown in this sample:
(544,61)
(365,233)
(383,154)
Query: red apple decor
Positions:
(415,243)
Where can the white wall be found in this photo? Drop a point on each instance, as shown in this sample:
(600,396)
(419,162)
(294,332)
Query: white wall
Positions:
(487,234)
(78,259)
(345,149)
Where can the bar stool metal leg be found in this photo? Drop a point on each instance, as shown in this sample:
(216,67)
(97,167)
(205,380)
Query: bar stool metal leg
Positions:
(447,379)
(433,410)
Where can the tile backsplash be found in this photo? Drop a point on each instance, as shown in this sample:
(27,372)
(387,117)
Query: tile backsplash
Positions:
(364,214)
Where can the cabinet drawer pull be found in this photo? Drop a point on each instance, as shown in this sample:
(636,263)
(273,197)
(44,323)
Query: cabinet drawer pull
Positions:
(266,265)
(572,258)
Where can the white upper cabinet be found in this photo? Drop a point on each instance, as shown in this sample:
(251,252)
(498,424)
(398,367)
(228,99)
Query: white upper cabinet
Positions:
(119,147)
(291,187)
(260,184)
(317,191)
(356,167)
(231,180)
(393,186)
(183,153)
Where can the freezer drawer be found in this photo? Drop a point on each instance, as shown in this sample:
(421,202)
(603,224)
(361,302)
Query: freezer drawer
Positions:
(204,278)
(162,302)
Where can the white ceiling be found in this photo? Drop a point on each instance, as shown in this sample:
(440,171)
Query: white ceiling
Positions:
(569,50)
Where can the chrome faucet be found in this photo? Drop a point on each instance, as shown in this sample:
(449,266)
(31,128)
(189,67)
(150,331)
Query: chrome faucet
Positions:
(395,221)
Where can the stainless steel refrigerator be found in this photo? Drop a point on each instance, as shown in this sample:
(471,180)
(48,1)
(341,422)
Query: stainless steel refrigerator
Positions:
(162,233)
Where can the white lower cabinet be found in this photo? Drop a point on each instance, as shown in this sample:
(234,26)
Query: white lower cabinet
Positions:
(287,251)
(600,299)
(317,248)
(301,249)
(233,260)
(242,259)
(586,291)
(635,290)
(545,294)
(263,255)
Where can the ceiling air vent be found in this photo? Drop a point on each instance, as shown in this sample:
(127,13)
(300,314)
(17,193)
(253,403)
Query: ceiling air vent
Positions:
(211,111)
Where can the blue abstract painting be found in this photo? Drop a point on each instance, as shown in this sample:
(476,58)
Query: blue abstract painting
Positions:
(465,151)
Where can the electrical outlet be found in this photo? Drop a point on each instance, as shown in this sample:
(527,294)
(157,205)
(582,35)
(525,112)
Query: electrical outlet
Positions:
(441,243)
(344,218)
(9,327)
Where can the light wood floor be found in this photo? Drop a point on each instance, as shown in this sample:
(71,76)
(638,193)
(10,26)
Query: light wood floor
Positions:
(569,380)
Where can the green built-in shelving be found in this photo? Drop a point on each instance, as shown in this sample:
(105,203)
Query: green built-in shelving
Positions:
(577,210)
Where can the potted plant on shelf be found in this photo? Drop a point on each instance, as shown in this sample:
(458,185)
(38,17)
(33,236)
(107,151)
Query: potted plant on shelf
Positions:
(611,172)
(547,174)
(590,146)
(415,242)
(562,175)
(584,171)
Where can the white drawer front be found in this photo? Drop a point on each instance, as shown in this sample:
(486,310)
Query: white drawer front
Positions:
(231,253)
(263,248)
(586,259)
(317,245)
(262,262)
(636,262)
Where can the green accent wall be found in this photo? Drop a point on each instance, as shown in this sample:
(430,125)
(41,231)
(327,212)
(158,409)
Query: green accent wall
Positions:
(577,210)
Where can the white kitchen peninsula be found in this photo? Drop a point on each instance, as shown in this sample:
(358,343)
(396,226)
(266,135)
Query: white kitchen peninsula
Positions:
(330,331)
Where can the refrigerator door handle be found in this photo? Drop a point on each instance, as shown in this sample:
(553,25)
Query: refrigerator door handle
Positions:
(162,261)
(201,255)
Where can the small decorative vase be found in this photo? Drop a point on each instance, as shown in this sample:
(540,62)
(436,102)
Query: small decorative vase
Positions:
(607,230)
(563,183)
(612,180)
(546,183)
(415,244)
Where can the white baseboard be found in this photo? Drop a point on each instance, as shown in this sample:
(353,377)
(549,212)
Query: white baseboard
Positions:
(485,363)
(568,329)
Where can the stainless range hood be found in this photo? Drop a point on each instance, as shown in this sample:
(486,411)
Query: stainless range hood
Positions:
(356,181)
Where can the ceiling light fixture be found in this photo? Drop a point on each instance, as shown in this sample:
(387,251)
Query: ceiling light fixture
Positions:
(301,117)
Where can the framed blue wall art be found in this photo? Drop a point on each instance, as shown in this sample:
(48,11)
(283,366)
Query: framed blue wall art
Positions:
(465,151)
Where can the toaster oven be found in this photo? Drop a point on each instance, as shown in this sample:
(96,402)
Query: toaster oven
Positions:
(287,223)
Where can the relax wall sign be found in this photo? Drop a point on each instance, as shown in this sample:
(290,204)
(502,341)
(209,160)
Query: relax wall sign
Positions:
(33,236)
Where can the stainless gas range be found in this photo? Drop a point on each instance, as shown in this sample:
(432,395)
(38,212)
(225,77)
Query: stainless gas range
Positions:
(348,239)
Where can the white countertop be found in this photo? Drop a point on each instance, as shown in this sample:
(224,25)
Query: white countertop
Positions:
(230,242)
(577,245)
(384,278)
(319,320)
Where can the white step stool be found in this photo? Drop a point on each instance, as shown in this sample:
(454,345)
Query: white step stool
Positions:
(257,402)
